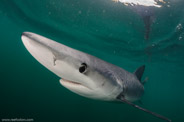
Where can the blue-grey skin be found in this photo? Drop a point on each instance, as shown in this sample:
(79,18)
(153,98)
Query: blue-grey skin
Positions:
(106,80)
(85,74)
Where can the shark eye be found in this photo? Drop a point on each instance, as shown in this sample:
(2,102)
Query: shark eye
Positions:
(83,68)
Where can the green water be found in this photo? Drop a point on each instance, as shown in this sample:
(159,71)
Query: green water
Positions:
(108,30)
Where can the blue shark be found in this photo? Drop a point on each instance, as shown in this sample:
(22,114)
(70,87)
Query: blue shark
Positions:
(85,74)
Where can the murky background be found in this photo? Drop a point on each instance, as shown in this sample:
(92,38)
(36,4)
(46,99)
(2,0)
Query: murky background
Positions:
(111,31)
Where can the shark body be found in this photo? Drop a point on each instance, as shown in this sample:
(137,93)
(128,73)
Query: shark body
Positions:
(82,73)
(85,74)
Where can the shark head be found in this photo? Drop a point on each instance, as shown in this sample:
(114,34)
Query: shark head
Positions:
(82,73)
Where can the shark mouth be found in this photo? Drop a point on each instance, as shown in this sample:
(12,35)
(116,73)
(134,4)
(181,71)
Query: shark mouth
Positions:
(69,82)
(72,85)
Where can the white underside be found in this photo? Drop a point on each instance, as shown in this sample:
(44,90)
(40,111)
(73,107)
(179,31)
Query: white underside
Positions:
(76,87)
(82,90)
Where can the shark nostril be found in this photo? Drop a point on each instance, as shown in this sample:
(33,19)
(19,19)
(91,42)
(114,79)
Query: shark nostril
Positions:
(83,68)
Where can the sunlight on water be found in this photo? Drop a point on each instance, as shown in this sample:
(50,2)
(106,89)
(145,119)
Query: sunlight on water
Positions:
(141,2)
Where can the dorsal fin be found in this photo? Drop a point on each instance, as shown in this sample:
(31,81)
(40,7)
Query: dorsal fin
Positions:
(139,72)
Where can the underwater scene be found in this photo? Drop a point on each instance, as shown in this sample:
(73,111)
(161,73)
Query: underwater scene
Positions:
(126,33)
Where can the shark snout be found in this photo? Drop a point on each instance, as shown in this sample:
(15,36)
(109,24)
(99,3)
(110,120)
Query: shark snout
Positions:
(26,34)
(44,51)
(58,58)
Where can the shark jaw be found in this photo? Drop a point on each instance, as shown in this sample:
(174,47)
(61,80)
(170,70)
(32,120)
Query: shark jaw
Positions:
(75,87)
(72,84)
